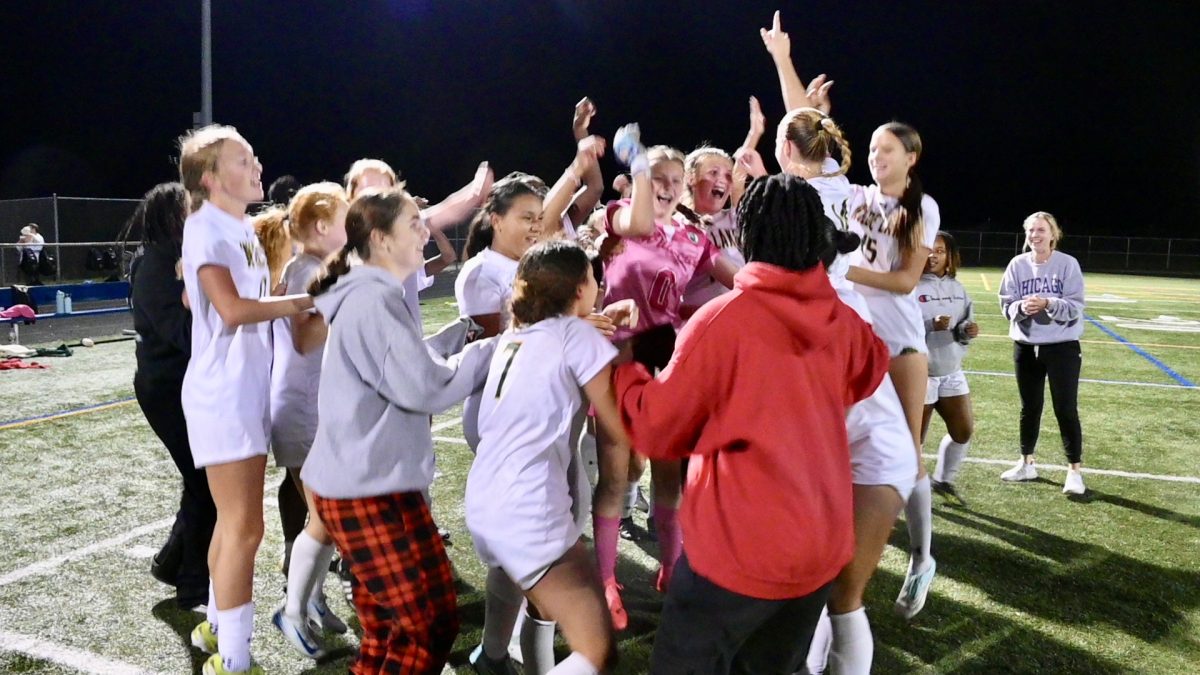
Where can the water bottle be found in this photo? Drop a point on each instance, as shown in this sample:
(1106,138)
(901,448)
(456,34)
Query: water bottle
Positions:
(67,303)
(60,302)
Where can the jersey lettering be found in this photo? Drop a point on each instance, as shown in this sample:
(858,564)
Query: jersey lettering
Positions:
(510,350)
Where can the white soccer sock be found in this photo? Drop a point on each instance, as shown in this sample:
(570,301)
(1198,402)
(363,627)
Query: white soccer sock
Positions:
(317,584)
(853,645)
(211,610)
(501,606)
(630,499)
(537,646)
(575,664)
(233,642)
(301,574)
(949,458)
(818,650)
(918,513)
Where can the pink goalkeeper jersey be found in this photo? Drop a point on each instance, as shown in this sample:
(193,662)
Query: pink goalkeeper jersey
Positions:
(654,270)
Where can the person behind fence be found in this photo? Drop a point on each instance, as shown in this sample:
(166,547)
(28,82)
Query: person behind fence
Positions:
(1041,295)
(30,254)
(767,475)
(164,344)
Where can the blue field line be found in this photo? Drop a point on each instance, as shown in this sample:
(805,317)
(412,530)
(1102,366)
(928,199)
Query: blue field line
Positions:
(1141,352)
(63,413)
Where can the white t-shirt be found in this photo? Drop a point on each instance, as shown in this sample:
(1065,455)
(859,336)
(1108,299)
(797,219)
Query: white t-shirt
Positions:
(227,385)
(723,232)
(897,316)
(835,192)
(295,377)
(520,491)
(484,286)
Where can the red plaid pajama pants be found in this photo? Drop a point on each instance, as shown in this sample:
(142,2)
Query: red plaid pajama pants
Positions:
(405,596)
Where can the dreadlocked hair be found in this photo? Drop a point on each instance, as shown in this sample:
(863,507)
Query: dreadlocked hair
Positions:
(909,221)
(371,210)
(783,223)
(548,277)
(504,192)
(815,136)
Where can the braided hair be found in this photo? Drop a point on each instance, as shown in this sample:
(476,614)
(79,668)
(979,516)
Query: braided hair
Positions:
(783,223)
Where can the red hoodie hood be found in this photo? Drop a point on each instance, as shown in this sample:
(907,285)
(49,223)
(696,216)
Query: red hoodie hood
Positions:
(782,289)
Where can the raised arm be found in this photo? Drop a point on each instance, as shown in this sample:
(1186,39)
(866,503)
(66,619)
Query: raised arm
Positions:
(234,310)
(458,206)
(637,219)
(758,124)
(593,181)
(779,46)
(588,152)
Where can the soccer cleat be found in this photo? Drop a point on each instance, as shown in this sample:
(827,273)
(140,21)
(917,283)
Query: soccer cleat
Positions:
(216,666)
(485,665)
(297,635)
(323,618)
(914,590)
(1021,472)
(616,608)
(948,491)
(347,580)
(204,638)
(1074,483)
(629,530)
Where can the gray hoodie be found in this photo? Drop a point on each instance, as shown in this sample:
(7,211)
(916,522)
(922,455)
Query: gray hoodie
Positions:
(939,296)
(1059,280)
(380,382)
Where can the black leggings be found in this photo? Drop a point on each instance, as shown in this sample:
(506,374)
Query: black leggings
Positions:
(1060,361)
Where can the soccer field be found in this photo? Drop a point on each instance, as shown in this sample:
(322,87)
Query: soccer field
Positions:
(1028,580)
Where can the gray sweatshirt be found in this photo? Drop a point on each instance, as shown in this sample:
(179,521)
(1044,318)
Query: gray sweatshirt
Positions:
(380,382)
(1058,279)
(939,296)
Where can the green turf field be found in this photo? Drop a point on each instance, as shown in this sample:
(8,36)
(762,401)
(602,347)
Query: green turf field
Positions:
(1028,580)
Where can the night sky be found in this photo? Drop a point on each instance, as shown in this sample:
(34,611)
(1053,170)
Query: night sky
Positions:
(1090,110)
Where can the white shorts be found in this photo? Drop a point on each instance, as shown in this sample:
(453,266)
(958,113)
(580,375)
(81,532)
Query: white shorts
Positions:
(881,445)
(897,321)
(215,440)
(946,386)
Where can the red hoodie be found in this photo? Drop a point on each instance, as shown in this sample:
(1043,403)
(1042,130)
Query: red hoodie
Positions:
(757,391)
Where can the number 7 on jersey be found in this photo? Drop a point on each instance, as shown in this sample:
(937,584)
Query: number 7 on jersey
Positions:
(510,352)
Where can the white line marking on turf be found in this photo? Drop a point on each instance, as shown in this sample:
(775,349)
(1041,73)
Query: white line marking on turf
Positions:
(986,286)
(990,373)
(442,426)
(1101,472)
(141,552)
(63,655)
(448,439)
(50,564)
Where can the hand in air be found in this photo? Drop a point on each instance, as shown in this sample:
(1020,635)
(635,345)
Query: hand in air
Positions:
(777,42)
(482,184)
(623,313)
(588,152)
(585,110)
(627,145)
(749,161)
(758,121)
(818,93)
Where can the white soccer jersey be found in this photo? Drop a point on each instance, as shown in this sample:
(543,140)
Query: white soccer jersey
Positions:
(228,381)
(835,193)
(723,232)
(897,317)
(521,492)
(484,286)
(295,377)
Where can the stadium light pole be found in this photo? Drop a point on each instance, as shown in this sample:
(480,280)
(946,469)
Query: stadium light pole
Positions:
(205,116)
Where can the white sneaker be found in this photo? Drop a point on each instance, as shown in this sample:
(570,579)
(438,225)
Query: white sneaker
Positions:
(916,587)
(1022,471)
(1074,483)
(298,635)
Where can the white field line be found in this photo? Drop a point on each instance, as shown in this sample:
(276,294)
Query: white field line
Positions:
(1123,383)
(449,439)
(1099,472)
(51,564)
(81,660)
(442,426)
